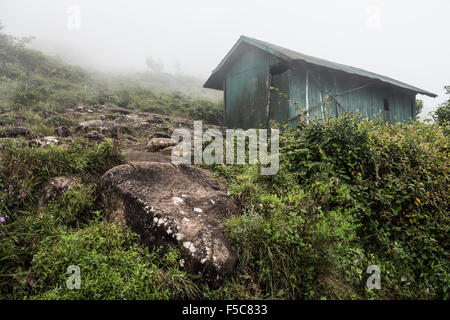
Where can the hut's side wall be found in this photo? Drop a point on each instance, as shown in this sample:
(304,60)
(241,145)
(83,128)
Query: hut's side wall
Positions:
(309,86)
(246,93)
(246,89)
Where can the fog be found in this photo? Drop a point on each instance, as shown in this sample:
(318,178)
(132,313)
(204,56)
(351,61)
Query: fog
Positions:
(405,40)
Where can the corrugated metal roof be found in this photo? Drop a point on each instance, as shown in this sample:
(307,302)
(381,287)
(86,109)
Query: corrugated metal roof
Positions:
(215,80)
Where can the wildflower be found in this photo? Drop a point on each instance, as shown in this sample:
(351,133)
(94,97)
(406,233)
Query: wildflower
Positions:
(2,219)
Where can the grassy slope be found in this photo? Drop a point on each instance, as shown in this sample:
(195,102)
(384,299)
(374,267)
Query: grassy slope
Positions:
(30,79)
(349,194)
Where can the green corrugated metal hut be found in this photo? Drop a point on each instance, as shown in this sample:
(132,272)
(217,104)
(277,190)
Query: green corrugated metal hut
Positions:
(263,82)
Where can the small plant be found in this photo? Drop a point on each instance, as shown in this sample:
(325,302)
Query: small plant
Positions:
(112,266)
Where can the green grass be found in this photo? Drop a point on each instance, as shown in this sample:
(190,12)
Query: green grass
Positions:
(349,194)
(112,266)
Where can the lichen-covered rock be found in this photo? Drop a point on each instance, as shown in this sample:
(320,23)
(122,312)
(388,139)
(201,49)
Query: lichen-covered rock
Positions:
(157,144)
(122,124)
(170,204)
(112,109)
(62,131)
(44,142)
(158,119)
(109,128)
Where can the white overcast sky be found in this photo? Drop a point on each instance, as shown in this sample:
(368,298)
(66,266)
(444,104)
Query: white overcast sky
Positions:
(405,40)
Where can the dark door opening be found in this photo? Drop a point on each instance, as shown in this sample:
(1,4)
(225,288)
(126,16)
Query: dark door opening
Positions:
(387,110)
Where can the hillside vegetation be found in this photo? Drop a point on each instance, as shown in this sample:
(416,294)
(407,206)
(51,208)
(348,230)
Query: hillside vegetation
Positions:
(350,193)
(33,81)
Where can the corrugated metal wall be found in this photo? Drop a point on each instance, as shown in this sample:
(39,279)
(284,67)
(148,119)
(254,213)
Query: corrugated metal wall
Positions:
(306,86)
(369,101)
(246,90)
(279,108)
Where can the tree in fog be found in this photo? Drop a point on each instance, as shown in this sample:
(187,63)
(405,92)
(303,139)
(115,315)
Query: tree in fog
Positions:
(153,65)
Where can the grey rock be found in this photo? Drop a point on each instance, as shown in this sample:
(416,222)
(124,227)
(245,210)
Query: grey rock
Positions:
(14,132)
(157,144)
(171,205)
(62,131)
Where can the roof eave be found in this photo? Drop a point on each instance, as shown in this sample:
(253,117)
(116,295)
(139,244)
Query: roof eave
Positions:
(213,83)
(426,93)
(409,87)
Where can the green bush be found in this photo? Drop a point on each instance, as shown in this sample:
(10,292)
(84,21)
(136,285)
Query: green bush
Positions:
(73,206)
(349,194)
(25,170)
(31,91)
(58,120)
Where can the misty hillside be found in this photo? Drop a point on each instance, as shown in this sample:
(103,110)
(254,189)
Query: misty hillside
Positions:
(87,182)
(29,78)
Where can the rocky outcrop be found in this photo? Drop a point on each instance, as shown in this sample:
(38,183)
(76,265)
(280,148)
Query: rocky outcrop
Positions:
(173,205)
(122,124)
(109,128)
(44,142)
(157,144)
(159,135)
(62,131)
(112,109)
(94,136)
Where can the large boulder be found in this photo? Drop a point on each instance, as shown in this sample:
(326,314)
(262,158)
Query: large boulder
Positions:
(170,204)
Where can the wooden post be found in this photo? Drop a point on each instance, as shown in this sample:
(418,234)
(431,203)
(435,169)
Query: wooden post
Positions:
(268,85)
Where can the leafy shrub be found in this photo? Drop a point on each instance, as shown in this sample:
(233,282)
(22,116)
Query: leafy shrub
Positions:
(442,115)
(31,91)
(112,266)
(25,170)
(349,194)
(58,120)
(72,205)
